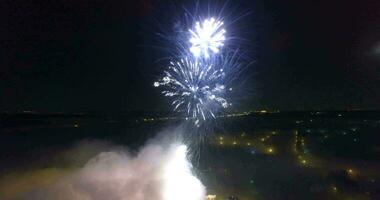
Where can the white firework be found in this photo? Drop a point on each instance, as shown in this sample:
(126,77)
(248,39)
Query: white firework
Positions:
(195,87)
(207,37)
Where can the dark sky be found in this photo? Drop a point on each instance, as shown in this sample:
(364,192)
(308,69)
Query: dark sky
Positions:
(92,55)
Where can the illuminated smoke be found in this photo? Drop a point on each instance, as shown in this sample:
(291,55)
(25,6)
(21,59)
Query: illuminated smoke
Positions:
(179,183)
(157,172)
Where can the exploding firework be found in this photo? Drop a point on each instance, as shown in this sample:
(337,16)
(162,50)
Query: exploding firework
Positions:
(207,37)
(196,87)
(202,67)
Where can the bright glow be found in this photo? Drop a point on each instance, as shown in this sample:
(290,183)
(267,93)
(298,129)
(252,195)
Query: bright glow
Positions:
(179,182)
(195,87)
(207,37)
(157,172)
(211,197)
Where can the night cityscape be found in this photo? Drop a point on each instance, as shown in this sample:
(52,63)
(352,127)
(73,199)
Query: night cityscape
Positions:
(256,155)
(190,100)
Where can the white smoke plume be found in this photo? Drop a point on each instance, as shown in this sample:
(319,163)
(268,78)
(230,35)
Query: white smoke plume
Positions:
(157,172)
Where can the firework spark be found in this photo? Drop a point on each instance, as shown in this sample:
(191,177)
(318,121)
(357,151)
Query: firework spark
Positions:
(196,87)
(207,37)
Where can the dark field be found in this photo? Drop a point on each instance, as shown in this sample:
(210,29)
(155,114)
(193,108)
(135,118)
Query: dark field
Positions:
(284,155)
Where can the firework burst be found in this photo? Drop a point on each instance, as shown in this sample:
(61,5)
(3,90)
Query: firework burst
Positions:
(195,87)
(202,67)
(207,37)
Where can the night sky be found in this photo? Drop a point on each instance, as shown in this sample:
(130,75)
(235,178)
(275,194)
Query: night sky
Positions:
(92,55)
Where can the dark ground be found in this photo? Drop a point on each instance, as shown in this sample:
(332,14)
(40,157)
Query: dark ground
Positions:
(286,155)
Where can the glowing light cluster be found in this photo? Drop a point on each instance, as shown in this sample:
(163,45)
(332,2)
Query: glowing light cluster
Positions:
(207,37)
(195,87)
(179,183)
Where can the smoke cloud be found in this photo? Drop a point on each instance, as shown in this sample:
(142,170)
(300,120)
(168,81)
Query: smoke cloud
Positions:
(156,172)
